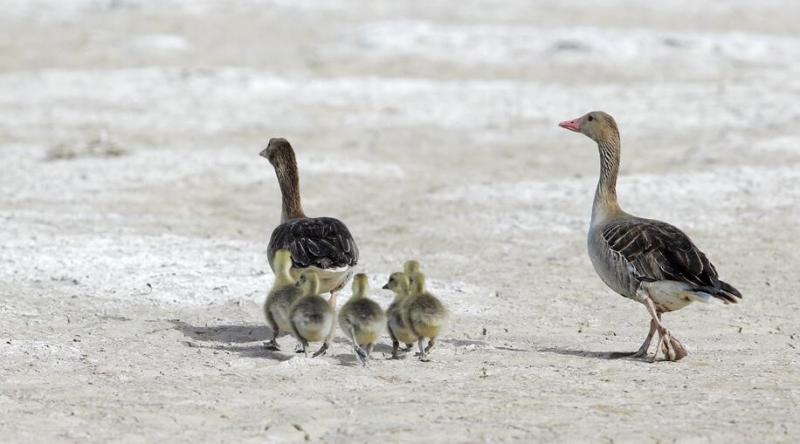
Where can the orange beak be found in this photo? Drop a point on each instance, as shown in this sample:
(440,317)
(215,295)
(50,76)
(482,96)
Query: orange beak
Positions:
(572,125)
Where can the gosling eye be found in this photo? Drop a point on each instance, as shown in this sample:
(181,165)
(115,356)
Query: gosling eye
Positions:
(591,118)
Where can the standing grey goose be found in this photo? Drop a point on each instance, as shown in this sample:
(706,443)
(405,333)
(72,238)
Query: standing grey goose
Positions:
(646,260)
(320,244)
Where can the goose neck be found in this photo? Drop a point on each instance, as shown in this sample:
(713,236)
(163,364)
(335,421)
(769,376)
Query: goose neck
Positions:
(605,204)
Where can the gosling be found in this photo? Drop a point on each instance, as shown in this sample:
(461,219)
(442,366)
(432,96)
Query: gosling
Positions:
(312,318)
(361,319)
(424,314)
(410,267)
(398,330)
(283,294)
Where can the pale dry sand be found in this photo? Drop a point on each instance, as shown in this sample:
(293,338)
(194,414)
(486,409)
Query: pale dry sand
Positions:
(135,213)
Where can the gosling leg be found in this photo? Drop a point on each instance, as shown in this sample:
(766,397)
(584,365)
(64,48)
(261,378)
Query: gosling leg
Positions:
(322,350)
(422,355)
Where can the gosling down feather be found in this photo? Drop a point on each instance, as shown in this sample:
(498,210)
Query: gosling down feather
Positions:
(424,314)
(362,319)
(311,317)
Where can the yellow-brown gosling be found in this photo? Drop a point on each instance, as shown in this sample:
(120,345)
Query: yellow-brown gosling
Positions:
(649,261)
(361,319)
(398,330)
(424,314)
(282,296)
(312,318)
(321,244)
(410,267)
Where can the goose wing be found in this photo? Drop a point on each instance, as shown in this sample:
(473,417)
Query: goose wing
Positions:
(323,242)
(655,251)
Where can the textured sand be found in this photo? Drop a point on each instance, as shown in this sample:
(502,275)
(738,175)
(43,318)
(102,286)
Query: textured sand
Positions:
(135,213)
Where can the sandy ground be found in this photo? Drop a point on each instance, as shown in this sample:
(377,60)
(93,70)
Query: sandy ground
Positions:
(135,213)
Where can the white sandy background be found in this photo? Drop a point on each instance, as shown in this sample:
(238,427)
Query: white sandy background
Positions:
(135,212)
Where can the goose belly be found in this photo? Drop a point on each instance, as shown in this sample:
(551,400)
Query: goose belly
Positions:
(669,295)
(330,279)
(611,268)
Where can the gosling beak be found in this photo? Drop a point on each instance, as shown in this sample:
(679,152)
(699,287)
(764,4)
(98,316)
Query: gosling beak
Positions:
(572,125)
(386,287)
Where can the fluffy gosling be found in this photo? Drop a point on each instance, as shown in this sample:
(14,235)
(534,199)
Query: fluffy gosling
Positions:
(361,319)
(283,294)
(312,318)
(410,267)
(424,314)
(398,330)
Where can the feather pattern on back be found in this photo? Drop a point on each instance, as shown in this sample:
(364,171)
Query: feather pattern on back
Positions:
(322,242)
(658,251)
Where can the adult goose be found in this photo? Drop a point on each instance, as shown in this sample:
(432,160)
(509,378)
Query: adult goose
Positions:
(646,260)
(320,244)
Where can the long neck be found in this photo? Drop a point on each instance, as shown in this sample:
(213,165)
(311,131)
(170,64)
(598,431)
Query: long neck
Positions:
(359,291)
(283,276)
(311,288)
(289,181)
(605,197)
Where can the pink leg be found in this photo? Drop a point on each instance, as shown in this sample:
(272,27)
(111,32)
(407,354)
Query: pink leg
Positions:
(642,352)
(672,348)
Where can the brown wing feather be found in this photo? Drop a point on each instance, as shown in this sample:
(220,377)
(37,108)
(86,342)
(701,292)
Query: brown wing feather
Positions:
(658,251)
(323,242)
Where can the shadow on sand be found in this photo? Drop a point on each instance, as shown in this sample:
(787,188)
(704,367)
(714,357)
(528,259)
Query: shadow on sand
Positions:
(224,333)
(232,339)
(586,353)
(228,338)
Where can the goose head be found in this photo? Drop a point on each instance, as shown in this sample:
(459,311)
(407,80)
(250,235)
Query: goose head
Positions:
(596,125)
(360,285)
(277,151)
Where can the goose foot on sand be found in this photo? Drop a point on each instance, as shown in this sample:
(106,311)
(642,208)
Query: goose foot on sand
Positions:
(672,348)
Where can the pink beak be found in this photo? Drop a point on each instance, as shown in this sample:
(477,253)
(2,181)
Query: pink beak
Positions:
(572,125)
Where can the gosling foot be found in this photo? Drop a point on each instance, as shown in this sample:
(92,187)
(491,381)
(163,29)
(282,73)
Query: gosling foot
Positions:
(361,355)
(322,350)
(423,354)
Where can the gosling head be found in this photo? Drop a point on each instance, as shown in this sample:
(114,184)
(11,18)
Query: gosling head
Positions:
(417,283)
(398,283)
(596,125)
(278,150)
(309,283)
(283,261)
(410,267)
(360,285)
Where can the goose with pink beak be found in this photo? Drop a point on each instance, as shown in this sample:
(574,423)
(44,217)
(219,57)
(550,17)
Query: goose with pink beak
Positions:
(646,260)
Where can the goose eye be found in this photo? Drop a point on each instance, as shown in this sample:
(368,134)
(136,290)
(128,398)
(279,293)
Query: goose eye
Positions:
(591,118)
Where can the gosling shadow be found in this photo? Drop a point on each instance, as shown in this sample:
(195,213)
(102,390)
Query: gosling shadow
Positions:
(247,351)
(224,333)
